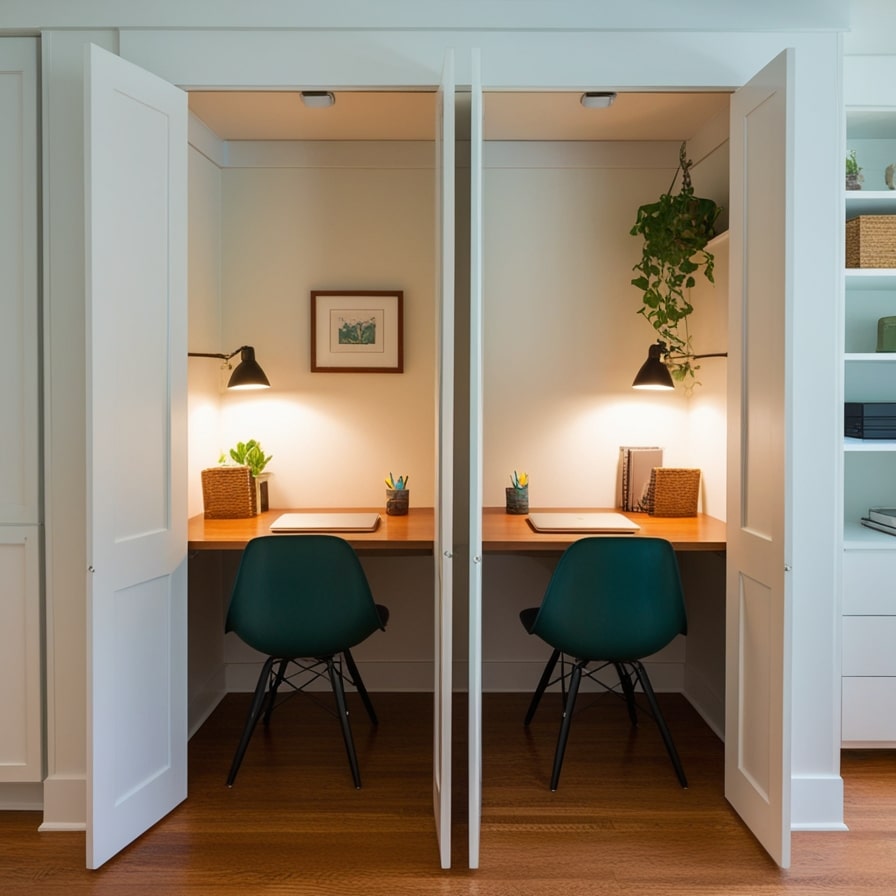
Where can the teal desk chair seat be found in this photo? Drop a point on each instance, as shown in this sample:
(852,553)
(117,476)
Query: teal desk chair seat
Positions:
(304,601)
(612,600)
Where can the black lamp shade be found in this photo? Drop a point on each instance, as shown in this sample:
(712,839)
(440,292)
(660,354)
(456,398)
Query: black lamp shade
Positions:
(653,373)
(248,374)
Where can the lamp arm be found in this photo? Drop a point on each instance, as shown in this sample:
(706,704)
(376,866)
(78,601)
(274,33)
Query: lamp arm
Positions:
(216,354)
(659,348)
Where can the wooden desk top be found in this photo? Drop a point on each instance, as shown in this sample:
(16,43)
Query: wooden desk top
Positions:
(397,534)
(501,532)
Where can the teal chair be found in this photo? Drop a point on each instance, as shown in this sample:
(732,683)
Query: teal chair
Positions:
(304,601)
(611,601)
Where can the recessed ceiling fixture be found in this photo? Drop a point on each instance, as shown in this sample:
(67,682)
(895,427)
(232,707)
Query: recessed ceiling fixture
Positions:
(318,99)
(598,99)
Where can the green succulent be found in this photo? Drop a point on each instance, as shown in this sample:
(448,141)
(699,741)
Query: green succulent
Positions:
(248,454)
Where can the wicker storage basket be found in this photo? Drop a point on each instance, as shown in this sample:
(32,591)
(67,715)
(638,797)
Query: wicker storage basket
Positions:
(673,491)
(871,241)
(228,493)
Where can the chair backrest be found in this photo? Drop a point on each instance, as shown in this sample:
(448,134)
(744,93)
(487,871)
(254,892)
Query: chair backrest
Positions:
(301,596)
(613,597)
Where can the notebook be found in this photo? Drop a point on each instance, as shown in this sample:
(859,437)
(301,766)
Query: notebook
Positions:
(326,522)
(582,522)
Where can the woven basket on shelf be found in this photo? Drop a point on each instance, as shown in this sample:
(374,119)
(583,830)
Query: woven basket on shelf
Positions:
(673,491)
(228,493)
(871,241)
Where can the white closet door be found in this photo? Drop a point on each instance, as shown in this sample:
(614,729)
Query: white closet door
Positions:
(136,247)
(443,549)
(475,574)
(757,734)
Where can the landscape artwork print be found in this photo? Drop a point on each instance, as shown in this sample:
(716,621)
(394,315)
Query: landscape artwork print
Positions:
(357,332)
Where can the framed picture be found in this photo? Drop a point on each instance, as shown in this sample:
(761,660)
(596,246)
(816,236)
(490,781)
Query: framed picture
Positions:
(357,332)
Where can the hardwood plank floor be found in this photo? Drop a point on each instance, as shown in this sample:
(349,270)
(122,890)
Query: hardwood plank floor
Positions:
(619,823)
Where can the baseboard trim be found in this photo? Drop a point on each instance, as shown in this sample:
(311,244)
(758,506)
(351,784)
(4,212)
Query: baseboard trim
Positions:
(65,803)
(21,796)
(816,803)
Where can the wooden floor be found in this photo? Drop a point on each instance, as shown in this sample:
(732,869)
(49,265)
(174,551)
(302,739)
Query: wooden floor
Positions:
(619,823)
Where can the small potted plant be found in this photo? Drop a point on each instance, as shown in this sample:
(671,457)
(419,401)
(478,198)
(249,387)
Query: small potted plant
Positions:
(854,176)
(250,454)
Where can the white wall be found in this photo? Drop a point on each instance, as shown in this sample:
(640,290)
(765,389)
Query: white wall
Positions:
(204,322)
(269,223)
(292,221)
(563,339)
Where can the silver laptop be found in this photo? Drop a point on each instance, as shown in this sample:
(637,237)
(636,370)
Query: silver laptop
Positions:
(326,522)
(607,521)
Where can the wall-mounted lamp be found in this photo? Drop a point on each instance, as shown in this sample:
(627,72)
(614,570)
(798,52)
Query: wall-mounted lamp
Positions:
(318,99)
(597,99)
(247,374)
(654,374)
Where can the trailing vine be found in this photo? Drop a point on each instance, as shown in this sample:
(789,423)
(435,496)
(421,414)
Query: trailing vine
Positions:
(676,229)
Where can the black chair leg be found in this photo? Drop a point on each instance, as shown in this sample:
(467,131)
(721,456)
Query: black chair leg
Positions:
(359,685)
(272,693)
(629,690)
(641,672)
(542,684)
(574,680)
(339,693)
(251,719)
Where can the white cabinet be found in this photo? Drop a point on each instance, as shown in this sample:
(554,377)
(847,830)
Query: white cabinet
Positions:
(20,661)
(20,518)
(869,466)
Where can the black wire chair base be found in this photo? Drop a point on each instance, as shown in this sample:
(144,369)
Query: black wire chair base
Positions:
(629,672)
(275,673)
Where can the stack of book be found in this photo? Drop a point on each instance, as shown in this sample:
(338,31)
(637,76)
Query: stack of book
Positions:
(633,480)
(881,518)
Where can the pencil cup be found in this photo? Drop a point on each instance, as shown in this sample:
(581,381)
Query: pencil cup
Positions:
(397,501)
(517,499)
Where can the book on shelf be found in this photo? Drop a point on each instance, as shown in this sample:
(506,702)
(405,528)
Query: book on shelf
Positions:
(880,527)
(883,515)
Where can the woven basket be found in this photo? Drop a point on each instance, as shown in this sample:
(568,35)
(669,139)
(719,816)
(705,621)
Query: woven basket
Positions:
(673,491)
(228,493)
(871,241)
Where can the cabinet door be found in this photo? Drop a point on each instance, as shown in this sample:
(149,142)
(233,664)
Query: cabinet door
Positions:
(19,349)
(20,685)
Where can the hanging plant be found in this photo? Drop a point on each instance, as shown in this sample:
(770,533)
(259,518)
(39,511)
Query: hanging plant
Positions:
(676,229)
